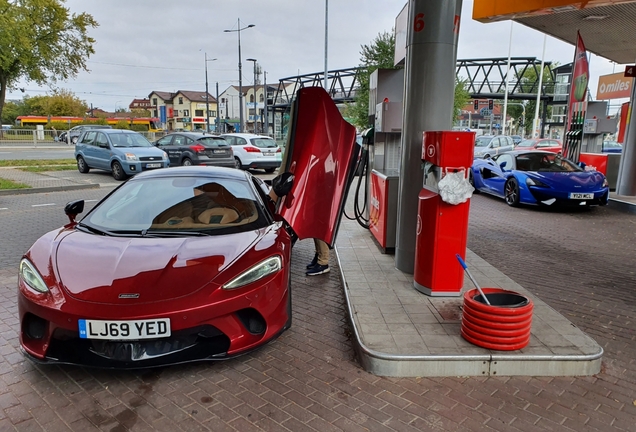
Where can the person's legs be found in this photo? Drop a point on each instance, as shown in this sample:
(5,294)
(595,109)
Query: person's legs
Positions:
(322,259)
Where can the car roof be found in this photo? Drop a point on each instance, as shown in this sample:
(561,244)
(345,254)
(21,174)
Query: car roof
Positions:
(124,131)
(195,171)
(246,135)
(195,135)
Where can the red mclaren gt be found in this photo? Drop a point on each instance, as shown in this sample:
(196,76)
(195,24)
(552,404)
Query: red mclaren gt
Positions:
(185,264)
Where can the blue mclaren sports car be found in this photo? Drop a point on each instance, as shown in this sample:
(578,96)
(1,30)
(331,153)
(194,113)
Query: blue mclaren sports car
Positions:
(538,178)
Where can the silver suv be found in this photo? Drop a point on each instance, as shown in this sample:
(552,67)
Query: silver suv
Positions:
(487,145)
(74,133)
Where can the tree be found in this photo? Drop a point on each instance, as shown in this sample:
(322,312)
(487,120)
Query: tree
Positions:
(61,103)
(41,41)
(528,82)
(380,54)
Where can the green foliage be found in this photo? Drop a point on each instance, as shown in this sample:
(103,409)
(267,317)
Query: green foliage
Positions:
(462,96)
(378,54)
(10,184)
(41,41)
(11,111)
(122,124)
(528,81)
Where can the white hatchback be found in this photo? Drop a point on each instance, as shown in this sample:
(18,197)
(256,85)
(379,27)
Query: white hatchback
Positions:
(254,151)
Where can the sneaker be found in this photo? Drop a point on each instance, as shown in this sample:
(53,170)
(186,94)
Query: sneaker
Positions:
(318,270)
(313,262)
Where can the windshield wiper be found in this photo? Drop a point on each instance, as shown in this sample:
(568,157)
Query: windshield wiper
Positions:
(167,233)
(88,228)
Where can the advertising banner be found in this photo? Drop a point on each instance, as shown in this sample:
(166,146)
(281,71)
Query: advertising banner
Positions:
(577,102)
(614,86)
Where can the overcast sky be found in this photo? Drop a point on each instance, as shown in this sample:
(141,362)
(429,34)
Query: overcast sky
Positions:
(144,45)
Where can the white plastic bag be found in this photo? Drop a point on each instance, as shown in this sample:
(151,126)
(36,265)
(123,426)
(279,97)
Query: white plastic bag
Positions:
(454,187)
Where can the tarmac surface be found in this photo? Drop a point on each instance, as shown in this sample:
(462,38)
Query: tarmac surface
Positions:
(580,263)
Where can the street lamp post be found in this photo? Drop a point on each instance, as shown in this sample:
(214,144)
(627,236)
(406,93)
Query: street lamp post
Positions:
(254,61)
(238,30)
(207,95)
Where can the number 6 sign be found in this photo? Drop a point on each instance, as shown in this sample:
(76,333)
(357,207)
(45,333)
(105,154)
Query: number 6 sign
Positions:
(418,22)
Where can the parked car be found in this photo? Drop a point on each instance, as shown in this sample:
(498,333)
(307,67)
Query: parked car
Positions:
(196,148)
(488,145)
(538,178)
(120,151)
(254,151)
(184,264)
(612,147)
(516,139)
(75,132)
(546,144)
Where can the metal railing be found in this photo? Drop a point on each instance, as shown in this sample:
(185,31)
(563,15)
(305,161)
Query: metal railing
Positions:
(48,138)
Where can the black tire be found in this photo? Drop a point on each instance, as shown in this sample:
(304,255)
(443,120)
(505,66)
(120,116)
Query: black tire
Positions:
(237,163)
(186,162)
(486,156)
(118,171)
(74,140)
(270,170)
(511,192)
(471,180)
(82,166)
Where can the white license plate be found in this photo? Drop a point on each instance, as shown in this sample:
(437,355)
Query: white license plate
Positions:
(155,165)
(219,152)
(581,196)
(124,330)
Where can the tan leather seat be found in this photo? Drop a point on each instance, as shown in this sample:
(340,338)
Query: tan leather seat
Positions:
(218,215)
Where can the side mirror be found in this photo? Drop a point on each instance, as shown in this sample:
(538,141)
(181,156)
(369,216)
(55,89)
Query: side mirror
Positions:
(73,208)
(503,164)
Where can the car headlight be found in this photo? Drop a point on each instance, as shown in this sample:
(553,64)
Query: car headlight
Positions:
(534,182)
(131,157)
(259,271)
(32,277)
(165,155)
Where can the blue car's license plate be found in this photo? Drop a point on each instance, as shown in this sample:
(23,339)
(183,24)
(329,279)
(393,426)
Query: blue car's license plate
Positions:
(581,196)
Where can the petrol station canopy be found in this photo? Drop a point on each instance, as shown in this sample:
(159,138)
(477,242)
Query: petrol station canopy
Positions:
(606,26)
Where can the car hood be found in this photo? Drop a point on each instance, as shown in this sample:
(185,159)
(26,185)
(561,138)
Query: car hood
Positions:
(141,151)
(111,269)
(322,153)
(579,181)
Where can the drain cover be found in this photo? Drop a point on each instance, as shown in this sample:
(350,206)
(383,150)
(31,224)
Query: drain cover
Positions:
(449,309)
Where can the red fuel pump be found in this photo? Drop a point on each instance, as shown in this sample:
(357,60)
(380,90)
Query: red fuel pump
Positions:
(442,228)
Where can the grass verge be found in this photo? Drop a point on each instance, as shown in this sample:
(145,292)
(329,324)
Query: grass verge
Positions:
(9,184)
(36,162)
(44,168)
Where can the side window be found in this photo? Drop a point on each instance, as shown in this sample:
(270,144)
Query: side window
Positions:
(494,143)
(511,143)
(241,141)
(230,140)
(165,141)
(89,138)
(101,140)
(507,159)
(189,141)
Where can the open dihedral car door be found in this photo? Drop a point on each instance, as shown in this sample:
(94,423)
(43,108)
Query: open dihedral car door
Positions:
(321,153)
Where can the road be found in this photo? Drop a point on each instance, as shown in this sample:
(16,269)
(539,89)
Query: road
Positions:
(581,263)
(13,153)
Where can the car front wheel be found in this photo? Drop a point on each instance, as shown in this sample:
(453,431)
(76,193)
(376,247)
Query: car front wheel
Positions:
(118,171)
(511,192)
(471,180)
(82,166)
(237,163)
(74,140)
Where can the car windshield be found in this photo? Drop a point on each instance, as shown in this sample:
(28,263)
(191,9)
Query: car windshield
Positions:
(526,143)
(545,162)
(263,142)
(212,142)
(482,141)
(129,140)
(177,206)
